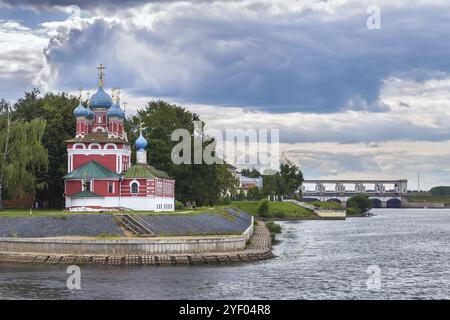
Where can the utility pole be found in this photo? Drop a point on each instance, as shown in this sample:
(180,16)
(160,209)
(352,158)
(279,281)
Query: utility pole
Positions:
(418,181)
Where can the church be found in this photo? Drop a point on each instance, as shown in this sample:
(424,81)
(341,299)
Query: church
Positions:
(100,174)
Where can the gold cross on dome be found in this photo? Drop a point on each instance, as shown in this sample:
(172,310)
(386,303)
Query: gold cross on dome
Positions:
(81,91)
(101,74)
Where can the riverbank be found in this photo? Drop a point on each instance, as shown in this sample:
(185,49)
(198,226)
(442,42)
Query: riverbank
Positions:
(277,210)
(259,248)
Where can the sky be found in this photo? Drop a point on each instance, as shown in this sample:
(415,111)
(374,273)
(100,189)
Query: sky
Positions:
(349,101)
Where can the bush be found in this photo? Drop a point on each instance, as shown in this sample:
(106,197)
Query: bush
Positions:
(179,205)
(254,194)
(361,202)
(225,200)
(263,208)
(273,227)
(352,211)
(440,191)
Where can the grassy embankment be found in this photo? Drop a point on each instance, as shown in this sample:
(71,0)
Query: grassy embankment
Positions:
(326,205)
(278,210)
(423,197)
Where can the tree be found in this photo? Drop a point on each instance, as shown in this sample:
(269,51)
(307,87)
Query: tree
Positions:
(440,191)
(251,174)
(202,183)
(57,111)
(361,203)
(285,182)
(22,153)
(292,178)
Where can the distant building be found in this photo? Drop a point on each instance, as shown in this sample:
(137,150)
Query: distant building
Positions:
(245,183)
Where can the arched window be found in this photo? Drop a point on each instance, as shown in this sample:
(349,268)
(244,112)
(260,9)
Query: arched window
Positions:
(135,187)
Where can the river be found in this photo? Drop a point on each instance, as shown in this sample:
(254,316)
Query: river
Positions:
(396,254)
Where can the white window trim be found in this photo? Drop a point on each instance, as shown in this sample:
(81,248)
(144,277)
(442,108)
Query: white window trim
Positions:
(79,144)
(110,144)
(131,189)
(95,144)
(113,186)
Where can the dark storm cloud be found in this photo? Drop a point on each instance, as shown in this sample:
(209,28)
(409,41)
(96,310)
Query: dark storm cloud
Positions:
(290,62)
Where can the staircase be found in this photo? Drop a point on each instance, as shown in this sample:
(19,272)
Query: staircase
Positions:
(135,224)
(301,204)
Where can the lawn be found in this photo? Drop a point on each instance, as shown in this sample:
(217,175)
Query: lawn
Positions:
(276,209)
(35,213)
(58,212)
(326,205)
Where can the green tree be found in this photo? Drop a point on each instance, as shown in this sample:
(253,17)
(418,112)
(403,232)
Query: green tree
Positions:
(57,111)
(291,178)
(22,153)
(285,182)
(440,191)
(360,203)
(251,174)
(205,184)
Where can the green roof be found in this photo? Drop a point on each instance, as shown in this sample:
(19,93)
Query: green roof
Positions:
(100,137)
(145,171)
(85,194)
(92,169)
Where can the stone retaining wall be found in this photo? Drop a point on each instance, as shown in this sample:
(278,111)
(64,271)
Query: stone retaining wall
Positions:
(259,248)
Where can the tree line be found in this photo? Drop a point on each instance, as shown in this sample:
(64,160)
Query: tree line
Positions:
(33,159)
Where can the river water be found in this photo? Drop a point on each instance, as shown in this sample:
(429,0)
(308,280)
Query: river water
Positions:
(396,254)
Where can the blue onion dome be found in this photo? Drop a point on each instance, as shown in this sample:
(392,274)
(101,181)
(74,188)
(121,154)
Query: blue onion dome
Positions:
(116,111)
(141,143)
(90,113)
(100,100)
(80,111)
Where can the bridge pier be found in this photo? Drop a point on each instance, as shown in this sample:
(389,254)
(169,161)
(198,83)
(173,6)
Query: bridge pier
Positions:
(383,204)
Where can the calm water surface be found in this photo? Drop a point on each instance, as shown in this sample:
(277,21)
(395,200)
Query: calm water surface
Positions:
(315,260)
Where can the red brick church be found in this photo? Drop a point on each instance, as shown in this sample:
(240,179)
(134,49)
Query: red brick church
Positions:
(100,174)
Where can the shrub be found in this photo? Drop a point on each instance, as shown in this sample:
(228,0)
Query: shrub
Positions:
(361,202)
(263,208)
(352,211)
(254,194)
(179,205)
(273,227)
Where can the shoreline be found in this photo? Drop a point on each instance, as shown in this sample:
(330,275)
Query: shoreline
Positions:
(259,248)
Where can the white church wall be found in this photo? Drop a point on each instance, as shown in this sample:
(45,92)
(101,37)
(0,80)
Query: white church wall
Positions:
(159,204)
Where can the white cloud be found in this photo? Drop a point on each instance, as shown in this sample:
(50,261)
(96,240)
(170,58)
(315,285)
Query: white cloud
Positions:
(21,57)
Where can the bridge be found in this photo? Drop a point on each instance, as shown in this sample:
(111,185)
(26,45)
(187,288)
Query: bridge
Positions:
(384,193)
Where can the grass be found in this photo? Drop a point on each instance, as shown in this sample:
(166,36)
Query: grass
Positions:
(36,213)
(327,205)
(427,197)
(59,213)
(276,209)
